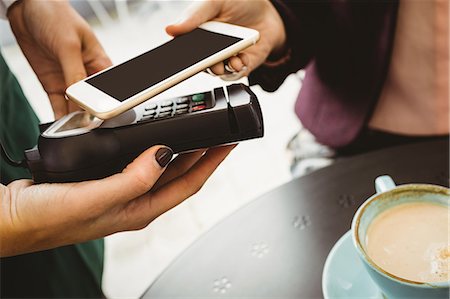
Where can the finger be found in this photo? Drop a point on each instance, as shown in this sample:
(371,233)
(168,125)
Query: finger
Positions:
(235,75)
(59,105)
(195,15)
(136,179)
(178,167)
(72,106)
(71,60)
(183,187)
(244,58)
(95,57)
(218,69)
(247,62)
(235,63)
(98,64)
(241,65)
(209,72)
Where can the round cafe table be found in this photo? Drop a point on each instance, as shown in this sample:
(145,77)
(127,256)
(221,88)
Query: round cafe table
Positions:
(276,246)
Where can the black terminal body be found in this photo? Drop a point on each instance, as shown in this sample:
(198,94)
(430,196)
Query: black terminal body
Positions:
(184,124)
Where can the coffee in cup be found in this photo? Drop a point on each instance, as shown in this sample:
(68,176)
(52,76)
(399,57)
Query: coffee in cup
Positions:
(411,241)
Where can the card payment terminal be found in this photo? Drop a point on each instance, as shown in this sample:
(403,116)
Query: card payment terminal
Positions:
(80,147)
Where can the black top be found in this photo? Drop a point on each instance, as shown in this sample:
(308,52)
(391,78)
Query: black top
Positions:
(345,49)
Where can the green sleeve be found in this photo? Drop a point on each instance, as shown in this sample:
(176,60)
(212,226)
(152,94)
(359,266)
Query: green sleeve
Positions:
(73,271)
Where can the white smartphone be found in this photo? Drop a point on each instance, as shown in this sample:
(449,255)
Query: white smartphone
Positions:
(120,88)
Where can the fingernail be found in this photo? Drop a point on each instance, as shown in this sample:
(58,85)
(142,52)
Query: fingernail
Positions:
(208,70)
(163,156)
(230,68)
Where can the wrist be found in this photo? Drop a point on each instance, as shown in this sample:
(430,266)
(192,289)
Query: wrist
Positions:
(5,216)
(278,43)
(280,52)
(10,241)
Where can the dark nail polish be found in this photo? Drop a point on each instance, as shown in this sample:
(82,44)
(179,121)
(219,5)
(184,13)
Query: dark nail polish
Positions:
(163,156)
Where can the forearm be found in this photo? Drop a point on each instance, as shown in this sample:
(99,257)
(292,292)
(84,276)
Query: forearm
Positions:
(5,221)
(38,222)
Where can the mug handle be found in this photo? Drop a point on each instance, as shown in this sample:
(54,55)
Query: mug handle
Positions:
(384,183)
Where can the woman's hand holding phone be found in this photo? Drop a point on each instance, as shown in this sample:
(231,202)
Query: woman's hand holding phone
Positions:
(38,217)
(128,84)
(260,15)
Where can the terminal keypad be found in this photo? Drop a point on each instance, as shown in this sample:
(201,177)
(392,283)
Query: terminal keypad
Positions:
(177,106)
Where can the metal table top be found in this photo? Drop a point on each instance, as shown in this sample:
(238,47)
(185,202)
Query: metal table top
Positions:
(276,246)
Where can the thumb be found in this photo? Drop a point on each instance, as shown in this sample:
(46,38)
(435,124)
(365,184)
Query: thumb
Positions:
(136,179)
(194,16)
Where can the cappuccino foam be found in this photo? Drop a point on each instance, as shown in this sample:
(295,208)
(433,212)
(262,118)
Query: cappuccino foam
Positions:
(411,241)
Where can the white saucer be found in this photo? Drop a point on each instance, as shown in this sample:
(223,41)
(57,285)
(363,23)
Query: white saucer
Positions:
(344,275)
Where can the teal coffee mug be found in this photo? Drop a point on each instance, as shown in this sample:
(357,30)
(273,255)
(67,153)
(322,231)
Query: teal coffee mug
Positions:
(389,196)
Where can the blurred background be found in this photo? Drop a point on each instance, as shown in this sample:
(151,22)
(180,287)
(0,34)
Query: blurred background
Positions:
(134,259)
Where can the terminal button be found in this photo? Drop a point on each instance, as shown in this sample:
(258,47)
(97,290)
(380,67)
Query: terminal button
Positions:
(198,97)
(182,100)
(165,114)
(181,111)
(150,106)
(165,109)
(149,112)
(166,103)
(198,108)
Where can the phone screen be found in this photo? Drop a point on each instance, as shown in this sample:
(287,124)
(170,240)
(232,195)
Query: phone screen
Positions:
(145,70)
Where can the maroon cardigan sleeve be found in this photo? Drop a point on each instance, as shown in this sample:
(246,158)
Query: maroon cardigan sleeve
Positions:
(303,22)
